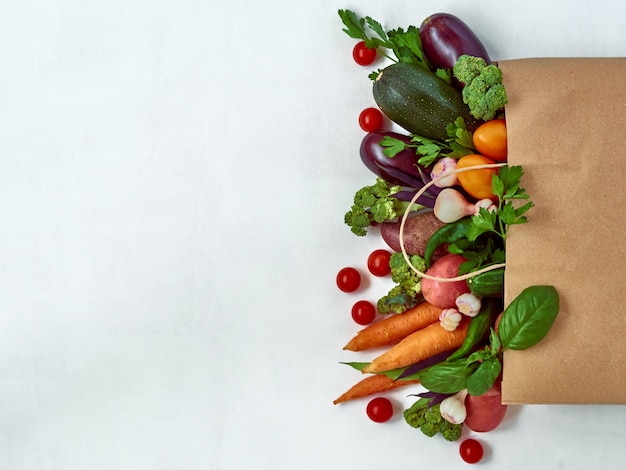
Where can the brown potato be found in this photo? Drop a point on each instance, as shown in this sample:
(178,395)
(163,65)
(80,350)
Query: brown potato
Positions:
(417,231)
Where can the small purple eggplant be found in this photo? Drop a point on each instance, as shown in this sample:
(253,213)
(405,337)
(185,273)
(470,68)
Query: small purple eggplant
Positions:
(445,38)
(426,363)
(401,169)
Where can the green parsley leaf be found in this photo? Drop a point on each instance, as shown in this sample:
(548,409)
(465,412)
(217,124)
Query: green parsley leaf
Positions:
(354,26)
(405,45)
(392,146)
(483,222)
(377,28)
(444,74)
(497,186)
(460,134)
(507,213)
(505,185)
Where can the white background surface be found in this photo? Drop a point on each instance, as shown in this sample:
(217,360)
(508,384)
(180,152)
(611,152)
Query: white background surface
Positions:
(173,179)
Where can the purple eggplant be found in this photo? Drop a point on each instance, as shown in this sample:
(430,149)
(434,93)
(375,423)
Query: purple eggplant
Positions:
(432,189)
(434,397)
(445,38)
(401,169)
(426,199)
(420,366)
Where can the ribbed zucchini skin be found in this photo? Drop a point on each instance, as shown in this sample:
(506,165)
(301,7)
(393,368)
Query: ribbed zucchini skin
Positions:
(418,101)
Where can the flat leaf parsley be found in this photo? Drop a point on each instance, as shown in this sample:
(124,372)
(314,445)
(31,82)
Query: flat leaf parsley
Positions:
(458,144)
(506,187)
(405,45)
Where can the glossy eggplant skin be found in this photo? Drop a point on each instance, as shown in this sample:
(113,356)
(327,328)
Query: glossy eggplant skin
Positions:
(446,37)
(402,169)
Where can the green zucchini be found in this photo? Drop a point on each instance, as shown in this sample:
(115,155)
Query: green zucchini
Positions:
(420,102)
(487,284)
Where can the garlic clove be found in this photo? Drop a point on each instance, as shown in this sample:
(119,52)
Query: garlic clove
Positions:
(486,204)
(449,319)
(453,408)
(468,304)
(451,206)
(440,168)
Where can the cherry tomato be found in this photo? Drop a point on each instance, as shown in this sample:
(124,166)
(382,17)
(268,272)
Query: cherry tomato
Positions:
(471,451)
(477,183)
(363,55)
(348,279)
(490,139)
(363,312)
(371,119)
(379,409)
(378,263)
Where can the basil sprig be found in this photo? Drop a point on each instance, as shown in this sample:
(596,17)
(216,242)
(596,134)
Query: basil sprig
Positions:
(524,323)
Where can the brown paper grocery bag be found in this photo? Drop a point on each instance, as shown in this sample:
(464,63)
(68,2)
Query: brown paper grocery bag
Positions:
(566,124)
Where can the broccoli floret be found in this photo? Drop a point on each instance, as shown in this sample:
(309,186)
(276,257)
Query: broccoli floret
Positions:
(407,291)
(430,429)
(396,301)
(375,204)
(452,432)
(414,416)
(483,90)
(433,415)
(429,420)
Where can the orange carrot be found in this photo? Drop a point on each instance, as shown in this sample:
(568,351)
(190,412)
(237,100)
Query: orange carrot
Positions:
(394,328)
(370,385)
(418,346)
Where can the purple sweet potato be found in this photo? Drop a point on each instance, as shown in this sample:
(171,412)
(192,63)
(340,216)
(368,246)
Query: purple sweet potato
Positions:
(417,231)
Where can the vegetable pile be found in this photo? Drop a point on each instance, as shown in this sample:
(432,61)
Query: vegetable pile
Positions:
(442,199)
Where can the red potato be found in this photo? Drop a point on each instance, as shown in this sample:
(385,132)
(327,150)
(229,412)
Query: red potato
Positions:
(485,412)
(443,294)
(497,322)
(417,231)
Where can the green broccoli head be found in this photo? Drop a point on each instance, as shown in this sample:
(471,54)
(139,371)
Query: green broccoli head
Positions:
(375,204)
(396,301)
(468,67)
(414,415)
(430,429)
(433,415)
(483,90)
(407,292)
(452,432)
(429,420)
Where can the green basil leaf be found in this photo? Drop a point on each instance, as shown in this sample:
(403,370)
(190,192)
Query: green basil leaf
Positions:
(529,317)
(392,374)
(447,377)
(494,341)
(484,377)
(478,356)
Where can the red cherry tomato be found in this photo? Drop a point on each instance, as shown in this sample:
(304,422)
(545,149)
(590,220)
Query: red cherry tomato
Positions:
(378,263)
(471,451)
(363,55)
(380,409)
(363,312)
(348,279)
(371,119)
